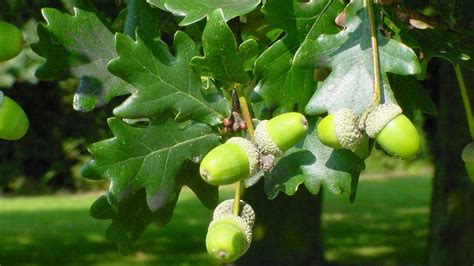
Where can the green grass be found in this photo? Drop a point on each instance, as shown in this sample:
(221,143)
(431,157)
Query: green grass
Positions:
(386,226)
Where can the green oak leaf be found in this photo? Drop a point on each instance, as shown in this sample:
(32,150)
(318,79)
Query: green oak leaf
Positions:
(337,170)
(282,84)
(132,216)
(222,60)
(146,19)
(147,157)
(349,55)
(257,27)
(79,46)
(195,10)
(411,96)
(164,83)
(287,175)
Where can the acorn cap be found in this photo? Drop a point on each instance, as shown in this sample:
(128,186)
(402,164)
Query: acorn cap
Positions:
(346,129)
(237,221)
(263,140)
(468,153)
(381,116)
(226,208)
(250,150)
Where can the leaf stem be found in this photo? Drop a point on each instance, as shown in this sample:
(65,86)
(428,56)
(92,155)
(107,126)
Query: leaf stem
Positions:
(239,190)
(247,117)
(465,98)
(375,62)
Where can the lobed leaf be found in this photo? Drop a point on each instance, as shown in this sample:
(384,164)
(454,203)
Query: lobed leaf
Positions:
(148,157)
(349,55)
(79,46)
(282,84)
(164,83)
(195,10)
(222,60)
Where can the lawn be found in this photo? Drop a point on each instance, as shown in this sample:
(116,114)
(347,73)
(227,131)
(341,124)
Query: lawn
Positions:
(387,225)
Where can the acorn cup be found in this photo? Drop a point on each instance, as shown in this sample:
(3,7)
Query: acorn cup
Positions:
(393,131)
(13,120)
(230,162)
(340,130)
(468,158)
(280,133)
(229,236)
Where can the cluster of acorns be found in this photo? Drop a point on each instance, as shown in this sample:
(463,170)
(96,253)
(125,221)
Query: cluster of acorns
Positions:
(229,235)
(392,130)
(13,120)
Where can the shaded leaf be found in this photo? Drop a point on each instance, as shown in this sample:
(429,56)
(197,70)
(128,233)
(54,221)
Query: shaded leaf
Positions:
(411,96)
(257,27)
(287,175)
(146,19)
(132,216)
(79,46)
(448,45)
(281,84)
(222,60)
(349,55)
(164,83)
(195,10)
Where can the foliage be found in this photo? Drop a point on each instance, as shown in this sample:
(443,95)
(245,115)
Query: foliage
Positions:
(178,89)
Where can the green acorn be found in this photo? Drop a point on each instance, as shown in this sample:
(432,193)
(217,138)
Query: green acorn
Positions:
(230,162)
(393,131)
(13,120)
(468,158)
(11,41)
(280,133)
(340,130)
(229,236)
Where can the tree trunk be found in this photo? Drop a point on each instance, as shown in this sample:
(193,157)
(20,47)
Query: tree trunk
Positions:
(451,240)
(287,229)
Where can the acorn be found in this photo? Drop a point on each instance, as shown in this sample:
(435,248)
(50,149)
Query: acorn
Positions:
(393,131)
(468,158)
(230,162)
(13,120)
(280,133)
(11,41)
(229,236)
(340,130)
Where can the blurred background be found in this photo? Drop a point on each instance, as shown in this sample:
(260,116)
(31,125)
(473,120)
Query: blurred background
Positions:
(44,201)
